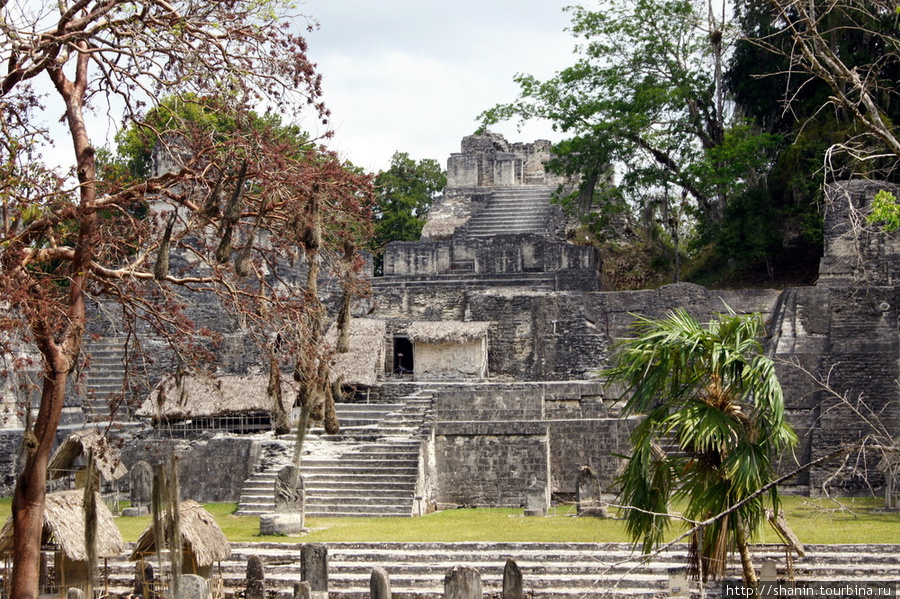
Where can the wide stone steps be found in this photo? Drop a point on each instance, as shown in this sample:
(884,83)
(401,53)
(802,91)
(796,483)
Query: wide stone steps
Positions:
(513,210)
(588,570)
(368,469)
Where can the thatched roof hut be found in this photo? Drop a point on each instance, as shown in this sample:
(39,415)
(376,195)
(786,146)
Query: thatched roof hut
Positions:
(64,530)
(450,350)
(203,541)
(437,332)
(198,395)
(107,460)
(361,365)
(64,527)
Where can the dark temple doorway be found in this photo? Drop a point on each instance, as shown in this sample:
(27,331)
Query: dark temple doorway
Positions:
(403,356)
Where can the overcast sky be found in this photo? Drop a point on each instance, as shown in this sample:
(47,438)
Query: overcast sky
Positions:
(413,75)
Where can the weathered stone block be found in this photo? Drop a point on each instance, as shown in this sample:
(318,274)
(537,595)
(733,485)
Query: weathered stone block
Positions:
(281,524)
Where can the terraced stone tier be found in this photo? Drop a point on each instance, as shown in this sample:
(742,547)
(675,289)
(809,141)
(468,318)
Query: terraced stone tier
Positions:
(550,570)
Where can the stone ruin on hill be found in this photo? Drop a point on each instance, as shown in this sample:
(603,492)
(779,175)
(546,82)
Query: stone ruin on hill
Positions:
(474,366)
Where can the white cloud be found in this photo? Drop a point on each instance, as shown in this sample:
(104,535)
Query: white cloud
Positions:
(413,76)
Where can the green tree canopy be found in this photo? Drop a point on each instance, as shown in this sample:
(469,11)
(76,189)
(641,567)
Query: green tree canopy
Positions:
(713,421)
(405,193)
(647,95)
(824,75)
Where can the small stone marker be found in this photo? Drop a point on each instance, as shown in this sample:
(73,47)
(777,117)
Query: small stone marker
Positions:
(678,582)
(143,579)
(191,586)
(769,571)
(290,505)
(302,590)
(462,582)
(290,495)
(314,569)
(588,494)
(536,501)
(255,584)
(74,593)
(141,480)
(512,580)
(379,584)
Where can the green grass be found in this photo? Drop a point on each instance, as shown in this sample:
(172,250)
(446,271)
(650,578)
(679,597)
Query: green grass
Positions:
(813,520)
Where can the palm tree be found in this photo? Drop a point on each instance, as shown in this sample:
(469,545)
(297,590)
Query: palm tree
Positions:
(713,420)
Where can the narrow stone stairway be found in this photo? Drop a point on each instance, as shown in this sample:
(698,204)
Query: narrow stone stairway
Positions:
(102,385)
(512,210)
(369,468)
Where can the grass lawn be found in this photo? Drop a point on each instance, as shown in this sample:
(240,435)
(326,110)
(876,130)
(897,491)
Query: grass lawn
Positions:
(814,521)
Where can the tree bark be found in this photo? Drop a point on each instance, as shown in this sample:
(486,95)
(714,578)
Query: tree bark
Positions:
(31,485)
(59,357)
(743,547)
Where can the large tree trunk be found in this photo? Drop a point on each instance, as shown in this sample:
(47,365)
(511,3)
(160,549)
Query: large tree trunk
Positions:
(31,485)
(59,357)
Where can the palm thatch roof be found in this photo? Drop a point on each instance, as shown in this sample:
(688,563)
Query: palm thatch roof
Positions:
(64,527)
(442,228)
(199,395)
(107,460)
(200,536)
(447,332)
(361,365)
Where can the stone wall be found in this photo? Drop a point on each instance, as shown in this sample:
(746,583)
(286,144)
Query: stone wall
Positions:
(489,464)
(10,448)
(498,255)
(833,344)
(488,159)
(451,361)
(857,254)
(211,469)
(494,440)
(593,442)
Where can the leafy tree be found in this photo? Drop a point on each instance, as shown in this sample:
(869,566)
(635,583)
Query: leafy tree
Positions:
(713,420)
(807,52)
(236,205)
(648,95)
(852,48)
(405,193)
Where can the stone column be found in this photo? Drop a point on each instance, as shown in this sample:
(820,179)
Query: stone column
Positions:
(74,593)
(143,579)
(290,505)
(191,586)
(141,481)
(255,587)
(512,580)
(588,494)
(462,582)
(537,502)
(314,569)
(379,584)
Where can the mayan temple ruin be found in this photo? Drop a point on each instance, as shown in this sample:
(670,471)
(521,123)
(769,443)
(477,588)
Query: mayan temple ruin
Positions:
(474,363)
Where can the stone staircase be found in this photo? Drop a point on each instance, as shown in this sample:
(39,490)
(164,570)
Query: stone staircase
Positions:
(102,383)
(513,210)
(370,468)
(550,570)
